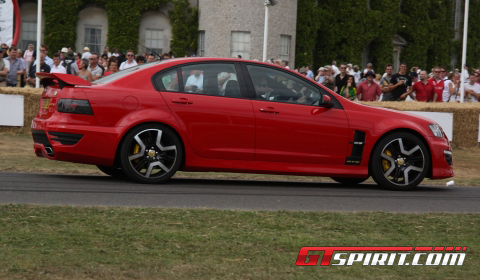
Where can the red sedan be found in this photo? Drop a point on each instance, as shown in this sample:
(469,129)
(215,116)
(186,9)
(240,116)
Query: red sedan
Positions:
(230,115)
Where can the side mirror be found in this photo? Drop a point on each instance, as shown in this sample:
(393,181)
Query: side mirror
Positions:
(326,101)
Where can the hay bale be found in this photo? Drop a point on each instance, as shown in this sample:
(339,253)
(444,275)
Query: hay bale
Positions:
(465,117)
(32,98)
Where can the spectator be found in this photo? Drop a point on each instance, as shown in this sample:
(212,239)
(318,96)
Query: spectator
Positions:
(285,64)
(438,83)
(83,71)
(4,66)
(335,68)
(378,77)
(31,80)
(341,79)
(130,61)
(28,57)
(48,60)
(167,56)
(57,67)
(329,78)
(115,52)
(120,58)
(472,89)
(451,87)
(350,69)
(112,66)
(368,68)
(320,76)
(5,50)
(349,91)
(16,67)
(238,56)
(309,73)
(150,58)
(107,52)
(140,60)
(303,71)
(385,81)
(465,72)
(278,62)
(443,69)
(103,61)
(69,63)
(96,70)
(86,53)
(356,74)
(63,52)
(424,89)
(368,90)
(78,59)
(399,83)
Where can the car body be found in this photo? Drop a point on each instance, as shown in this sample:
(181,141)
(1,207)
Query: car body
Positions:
(229,115)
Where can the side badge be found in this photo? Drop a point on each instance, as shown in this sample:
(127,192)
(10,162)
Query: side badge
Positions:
(55,93)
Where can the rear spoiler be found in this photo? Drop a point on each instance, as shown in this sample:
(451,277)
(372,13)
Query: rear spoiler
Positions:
(63,80)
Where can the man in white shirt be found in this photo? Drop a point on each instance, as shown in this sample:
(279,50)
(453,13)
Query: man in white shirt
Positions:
(335,68)
(57,67)
(86,53)
(472,89)
(130,61)
(107,51)
(195,82)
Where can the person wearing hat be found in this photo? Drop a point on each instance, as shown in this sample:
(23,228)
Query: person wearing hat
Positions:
(320,76)
(328,78)
(368,90)
(86,53)
(4,66)
(63,52)
(69,63)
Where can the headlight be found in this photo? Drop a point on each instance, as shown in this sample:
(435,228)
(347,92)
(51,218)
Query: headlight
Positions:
(436,130)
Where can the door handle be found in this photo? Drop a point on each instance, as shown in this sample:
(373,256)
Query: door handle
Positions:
(269,110)
(182,101)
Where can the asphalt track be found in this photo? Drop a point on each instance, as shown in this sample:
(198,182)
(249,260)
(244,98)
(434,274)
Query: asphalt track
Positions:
(52,189)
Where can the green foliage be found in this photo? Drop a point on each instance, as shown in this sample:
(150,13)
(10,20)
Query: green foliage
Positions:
(184,22)
(61,18)
(344,29)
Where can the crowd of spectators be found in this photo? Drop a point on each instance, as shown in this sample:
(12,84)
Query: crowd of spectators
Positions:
(415,84)
(18,69)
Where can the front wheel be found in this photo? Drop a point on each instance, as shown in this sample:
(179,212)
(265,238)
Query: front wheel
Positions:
(400,161)
(151,154)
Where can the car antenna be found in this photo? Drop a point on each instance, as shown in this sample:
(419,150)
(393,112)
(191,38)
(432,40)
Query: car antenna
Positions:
(151,51)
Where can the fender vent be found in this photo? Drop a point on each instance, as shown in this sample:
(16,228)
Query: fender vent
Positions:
(357,150)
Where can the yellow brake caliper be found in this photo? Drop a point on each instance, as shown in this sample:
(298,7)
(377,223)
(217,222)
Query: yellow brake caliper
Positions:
(136,150)
(385,163)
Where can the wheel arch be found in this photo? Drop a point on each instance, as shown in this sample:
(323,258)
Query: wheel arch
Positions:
(117,151)
(408,130)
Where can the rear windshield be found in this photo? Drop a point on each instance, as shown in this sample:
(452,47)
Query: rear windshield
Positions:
(115,76)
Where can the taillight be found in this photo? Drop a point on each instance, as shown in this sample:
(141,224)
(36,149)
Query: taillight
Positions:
(74,106)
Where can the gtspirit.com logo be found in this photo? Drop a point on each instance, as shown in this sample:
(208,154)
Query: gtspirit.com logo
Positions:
(383,256)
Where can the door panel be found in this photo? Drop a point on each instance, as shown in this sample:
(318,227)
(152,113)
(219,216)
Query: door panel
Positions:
(301,134)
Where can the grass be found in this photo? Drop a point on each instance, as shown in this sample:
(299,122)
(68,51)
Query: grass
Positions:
(17,156)
(52,242)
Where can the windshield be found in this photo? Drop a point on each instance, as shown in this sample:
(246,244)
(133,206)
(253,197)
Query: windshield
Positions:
(115,76)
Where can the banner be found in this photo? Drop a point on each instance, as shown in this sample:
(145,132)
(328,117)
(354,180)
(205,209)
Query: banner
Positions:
(6,22)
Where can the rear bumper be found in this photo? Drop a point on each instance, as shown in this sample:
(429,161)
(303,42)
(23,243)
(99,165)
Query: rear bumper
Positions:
(442,161)
(75,143)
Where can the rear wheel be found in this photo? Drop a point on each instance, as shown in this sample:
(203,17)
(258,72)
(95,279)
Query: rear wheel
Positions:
(111,171)
(400,161)
(349,181)
(151,154)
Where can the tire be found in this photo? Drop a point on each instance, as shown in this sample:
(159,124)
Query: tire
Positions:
(111,171)
(400,161)
(349,181)
(151,154)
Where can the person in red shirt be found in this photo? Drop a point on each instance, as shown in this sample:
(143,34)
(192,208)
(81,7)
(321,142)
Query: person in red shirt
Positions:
(423,89)
(438,83)
(368,90)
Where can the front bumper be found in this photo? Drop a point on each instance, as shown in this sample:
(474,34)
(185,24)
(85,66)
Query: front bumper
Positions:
(75,143)
(442,159)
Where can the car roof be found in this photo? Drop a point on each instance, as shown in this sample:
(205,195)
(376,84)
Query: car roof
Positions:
(175,61)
